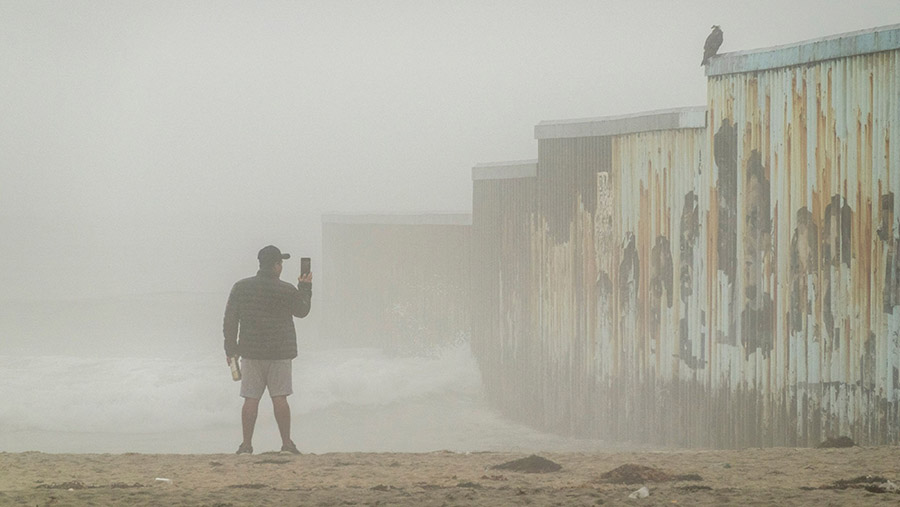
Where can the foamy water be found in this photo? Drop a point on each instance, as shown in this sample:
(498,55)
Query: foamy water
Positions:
(344,400)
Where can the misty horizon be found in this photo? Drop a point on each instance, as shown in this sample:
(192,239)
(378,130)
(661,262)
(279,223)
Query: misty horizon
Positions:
(153,147)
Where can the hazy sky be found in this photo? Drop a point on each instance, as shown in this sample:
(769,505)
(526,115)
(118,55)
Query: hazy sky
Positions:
(156,146)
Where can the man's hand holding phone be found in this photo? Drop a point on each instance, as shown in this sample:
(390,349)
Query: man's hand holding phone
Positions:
(305,270)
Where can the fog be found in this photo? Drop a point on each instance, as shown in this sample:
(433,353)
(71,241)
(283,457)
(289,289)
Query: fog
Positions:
(149,149)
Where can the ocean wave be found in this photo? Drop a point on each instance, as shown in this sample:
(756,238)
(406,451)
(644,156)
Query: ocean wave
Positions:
(138,395)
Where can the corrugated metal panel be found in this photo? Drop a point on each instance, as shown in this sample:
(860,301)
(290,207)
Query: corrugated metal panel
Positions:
(730,286)
(810,151)
(657,271)
(393,285)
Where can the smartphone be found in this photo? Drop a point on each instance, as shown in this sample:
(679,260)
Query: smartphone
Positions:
(304,265)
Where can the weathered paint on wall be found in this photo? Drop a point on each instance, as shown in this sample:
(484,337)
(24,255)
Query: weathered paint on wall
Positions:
(728,284)
(812,153)
(618,213)
(396,281)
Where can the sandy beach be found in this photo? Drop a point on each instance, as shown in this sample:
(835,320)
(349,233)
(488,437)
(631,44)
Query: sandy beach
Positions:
(783,476)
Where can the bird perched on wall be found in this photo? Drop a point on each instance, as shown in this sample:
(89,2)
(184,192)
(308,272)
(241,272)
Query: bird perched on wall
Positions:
(712,44)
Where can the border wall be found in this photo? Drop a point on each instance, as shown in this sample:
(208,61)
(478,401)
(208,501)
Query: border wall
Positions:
(723,276)
(397,282)
(505,284)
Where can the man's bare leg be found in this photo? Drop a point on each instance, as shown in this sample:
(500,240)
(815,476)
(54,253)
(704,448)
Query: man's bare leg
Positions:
(283,418)
(248,418)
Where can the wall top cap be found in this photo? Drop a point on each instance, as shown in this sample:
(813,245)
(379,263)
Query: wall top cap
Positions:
(505,170)
(872,40)
(399,219)
(664,119)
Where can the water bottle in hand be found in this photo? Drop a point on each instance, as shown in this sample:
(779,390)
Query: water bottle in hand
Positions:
(235,368)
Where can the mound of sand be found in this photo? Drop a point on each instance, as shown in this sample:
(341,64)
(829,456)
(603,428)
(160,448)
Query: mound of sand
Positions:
(630,473)
(533,464)
(833,443)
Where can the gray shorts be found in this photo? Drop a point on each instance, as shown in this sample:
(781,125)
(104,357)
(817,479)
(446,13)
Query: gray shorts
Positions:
(257,374)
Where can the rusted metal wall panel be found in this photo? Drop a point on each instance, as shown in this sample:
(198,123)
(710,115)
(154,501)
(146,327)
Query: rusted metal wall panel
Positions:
(396,282)
(568,172)
(561,321)
(657,270)
(728,286)
(811,154)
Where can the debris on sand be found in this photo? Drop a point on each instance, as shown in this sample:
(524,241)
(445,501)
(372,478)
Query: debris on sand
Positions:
(693,488)
(73,485)
(272,461)
(834,443)
(687,477)
(630,473)
(857,481)
(641,493)
(870,483)
(64,485)
(533,464)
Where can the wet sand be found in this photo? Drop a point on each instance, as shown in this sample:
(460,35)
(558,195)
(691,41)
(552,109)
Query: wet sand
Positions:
(782,476)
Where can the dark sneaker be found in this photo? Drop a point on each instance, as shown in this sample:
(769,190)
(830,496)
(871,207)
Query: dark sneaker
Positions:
(289,449)
(245,449)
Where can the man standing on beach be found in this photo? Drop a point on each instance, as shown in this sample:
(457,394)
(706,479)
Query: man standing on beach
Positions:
(262,308)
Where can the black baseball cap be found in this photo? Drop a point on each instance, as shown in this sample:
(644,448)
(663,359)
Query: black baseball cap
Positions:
(271,254)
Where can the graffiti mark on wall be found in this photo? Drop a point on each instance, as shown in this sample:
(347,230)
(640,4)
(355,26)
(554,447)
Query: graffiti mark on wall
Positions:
(835,251)
(661,275)
(629,281)
(661,281)
(725,142)
(604,248)
(804,270)
(629,274)
(757,315)
(725,147)
(891,241)
(690,232)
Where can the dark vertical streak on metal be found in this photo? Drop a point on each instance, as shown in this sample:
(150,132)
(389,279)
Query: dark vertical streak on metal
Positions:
(757,320)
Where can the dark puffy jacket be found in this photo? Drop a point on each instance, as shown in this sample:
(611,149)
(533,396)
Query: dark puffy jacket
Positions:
(262,308)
